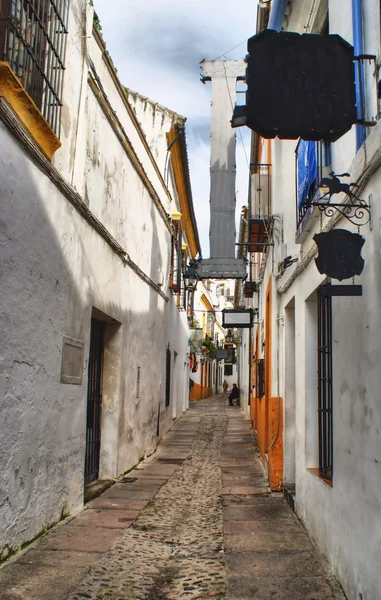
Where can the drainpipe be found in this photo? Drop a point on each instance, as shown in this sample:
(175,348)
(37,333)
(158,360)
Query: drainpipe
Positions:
(278,10)
(358,44)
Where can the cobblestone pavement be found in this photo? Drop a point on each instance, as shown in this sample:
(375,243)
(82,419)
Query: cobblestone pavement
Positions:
(195,520)
(174,549)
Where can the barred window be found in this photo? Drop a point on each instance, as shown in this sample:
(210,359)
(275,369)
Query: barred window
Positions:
(33,41)
(325,385)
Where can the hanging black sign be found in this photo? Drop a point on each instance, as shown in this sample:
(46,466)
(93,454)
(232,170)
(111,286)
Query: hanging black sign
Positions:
(329,291)
(300,85)
(339,253)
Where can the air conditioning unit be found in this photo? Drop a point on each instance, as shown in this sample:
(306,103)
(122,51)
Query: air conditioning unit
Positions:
(260,195)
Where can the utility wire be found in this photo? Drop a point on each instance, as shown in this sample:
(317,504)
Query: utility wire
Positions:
(243,145)
(231,49)
(232,105)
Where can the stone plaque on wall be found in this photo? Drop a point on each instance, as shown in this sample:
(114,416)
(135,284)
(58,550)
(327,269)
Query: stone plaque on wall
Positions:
(72,361)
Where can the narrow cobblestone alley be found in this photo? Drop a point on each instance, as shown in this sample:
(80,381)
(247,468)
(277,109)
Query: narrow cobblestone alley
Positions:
(195,520)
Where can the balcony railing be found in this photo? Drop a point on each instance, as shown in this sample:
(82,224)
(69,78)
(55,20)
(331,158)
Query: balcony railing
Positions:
(259,207)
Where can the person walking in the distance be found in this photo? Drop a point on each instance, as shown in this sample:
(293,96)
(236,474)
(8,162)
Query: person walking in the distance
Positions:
(225,386)
(234,394)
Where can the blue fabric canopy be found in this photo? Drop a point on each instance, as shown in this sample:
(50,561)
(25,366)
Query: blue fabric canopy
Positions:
(307,168)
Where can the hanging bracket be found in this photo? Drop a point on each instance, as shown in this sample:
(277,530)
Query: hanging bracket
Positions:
(356,211)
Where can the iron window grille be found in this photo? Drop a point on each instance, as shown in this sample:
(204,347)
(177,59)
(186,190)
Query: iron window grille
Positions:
(168,377)
(260,383)
(325,388)
(94,401)
(33,37)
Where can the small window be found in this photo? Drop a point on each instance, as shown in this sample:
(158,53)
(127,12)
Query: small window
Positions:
(168,377)
(33,42)
(228,370)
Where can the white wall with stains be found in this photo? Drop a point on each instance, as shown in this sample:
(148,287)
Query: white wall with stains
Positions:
(56,271)
(344,518)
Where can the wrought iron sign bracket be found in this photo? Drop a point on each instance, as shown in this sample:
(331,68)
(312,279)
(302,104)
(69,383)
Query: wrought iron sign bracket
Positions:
(366,123)
(357,211)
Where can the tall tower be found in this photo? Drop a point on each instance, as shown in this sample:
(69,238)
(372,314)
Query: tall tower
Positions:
(222,263)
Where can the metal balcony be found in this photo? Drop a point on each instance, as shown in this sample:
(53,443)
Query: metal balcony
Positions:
(259,207)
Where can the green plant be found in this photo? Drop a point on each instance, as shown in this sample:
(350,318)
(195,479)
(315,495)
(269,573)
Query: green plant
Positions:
(97,23)
(208,347)
(193,322)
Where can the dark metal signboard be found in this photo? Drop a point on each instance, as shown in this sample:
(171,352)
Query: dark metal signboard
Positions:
(238,317)
(339,253)
(300,86)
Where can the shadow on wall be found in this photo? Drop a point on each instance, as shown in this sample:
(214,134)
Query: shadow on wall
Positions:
(54,269)
(42,421)
(223,205)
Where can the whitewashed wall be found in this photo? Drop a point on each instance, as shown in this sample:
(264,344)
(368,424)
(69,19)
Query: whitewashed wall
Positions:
(55,268)
(342,519)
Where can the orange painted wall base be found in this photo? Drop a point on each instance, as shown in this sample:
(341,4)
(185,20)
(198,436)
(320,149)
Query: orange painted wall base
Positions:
(260,426)
(198,393)
(195,392)
(275,454)
(266,417)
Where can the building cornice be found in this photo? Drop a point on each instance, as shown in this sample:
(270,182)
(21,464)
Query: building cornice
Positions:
(180,167)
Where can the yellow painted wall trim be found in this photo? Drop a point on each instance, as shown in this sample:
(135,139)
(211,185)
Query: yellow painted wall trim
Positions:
(206,302)
(179,170)
(26,110)
(176,215)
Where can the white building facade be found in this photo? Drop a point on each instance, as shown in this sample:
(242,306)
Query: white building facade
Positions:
(329,449)
(94,364)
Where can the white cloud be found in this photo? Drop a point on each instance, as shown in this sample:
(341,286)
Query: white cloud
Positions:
(157,48)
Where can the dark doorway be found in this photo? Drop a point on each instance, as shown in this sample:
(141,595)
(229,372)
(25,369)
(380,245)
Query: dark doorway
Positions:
(94,401)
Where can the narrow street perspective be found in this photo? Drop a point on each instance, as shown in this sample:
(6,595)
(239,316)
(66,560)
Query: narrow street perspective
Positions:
(195,520)
(190,292)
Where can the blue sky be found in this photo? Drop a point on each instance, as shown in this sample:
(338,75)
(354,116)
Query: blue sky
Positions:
(157,48)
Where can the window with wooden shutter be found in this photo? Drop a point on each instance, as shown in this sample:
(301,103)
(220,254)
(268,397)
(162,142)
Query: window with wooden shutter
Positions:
(261,378)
